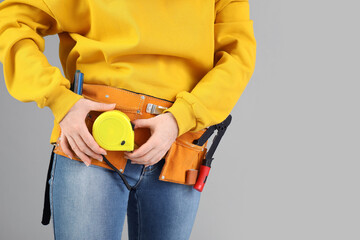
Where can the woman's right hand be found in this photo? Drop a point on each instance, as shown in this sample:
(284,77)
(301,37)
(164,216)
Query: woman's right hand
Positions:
(75,136)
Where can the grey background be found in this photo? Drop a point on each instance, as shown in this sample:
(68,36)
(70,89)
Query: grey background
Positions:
(288,167)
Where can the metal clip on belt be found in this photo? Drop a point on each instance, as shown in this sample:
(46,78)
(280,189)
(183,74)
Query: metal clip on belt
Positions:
(154,109)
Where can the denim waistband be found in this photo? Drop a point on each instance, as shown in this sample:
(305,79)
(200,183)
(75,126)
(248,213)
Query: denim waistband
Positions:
(155,166)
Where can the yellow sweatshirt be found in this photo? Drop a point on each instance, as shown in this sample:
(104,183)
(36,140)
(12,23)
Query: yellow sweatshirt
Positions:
(198,53)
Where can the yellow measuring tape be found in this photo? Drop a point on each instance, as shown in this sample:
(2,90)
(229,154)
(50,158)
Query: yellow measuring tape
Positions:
(113,131)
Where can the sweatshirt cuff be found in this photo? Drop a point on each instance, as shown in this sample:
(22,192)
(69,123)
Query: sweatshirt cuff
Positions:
(183,114)
(61,101)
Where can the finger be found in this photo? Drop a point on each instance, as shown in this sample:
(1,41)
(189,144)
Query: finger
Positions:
(161,150)
(84,148)
(152,159)
(143,123)
(158,156)
(97,106)
(90,141)
(64,144)
(147,158)
(78,153)
(151,143)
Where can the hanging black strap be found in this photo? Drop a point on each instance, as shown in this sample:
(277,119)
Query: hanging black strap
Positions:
(118,172)
(46,210)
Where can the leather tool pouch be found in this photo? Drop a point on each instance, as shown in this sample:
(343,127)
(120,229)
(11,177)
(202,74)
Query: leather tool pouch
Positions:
(183,160)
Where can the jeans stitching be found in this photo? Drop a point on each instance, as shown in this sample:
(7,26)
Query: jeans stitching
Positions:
(140,178)
(139,218)
(152,169)
(156,166)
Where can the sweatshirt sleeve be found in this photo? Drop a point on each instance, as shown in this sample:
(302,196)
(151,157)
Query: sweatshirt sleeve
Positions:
(28,74)
(216,94)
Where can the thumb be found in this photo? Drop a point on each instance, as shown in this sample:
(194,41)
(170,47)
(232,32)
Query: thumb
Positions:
(142,123)
(102,106)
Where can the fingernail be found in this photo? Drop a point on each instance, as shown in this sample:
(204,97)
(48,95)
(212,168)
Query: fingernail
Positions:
(87,164)
(69,156)
(100,159)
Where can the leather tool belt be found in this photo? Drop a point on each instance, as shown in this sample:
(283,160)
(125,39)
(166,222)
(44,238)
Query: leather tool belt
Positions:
(182,160)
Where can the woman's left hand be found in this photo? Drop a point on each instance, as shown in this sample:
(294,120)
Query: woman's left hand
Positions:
(164,131)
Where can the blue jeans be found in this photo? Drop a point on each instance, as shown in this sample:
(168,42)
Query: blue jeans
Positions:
(91,203)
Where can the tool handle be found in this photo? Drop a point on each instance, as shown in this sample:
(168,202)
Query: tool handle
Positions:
(80,82)
(200,182)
